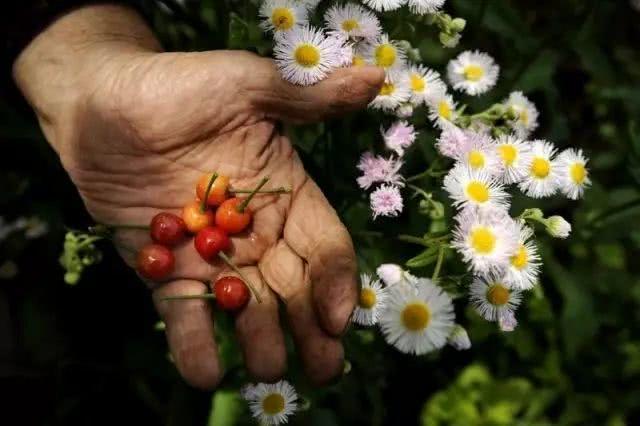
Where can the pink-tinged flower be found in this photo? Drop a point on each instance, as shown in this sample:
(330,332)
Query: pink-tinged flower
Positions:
(452,142)
(386,201)
(399,136)
(344,47)
(507,322)
(379,169)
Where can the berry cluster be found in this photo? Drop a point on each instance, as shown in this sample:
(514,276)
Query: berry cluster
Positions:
(211,218)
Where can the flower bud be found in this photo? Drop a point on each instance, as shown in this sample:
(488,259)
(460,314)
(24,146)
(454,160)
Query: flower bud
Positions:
(507,322)
(390,273)
(558,227)
(405,110)
(457,25)
(448,40)
(459,338)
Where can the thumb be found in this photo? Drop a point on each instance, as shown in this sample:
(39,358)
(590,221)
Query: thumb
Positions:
(344,90)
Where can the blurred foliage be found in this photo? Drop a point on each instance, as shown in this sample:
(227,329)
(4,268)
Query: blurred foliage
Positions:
(89,354)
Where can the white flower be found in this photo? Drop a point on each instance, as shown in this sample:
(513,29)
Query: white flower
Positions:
(305,56)
(385,53)
(417,319)
(370,302)
(425,6)
(527,120)
(282,15)
(425,83)
(507,321)
(524,265)
(405,110)
(573,173)
(384,5)
(514,155)
(459,338)
(473,72)
(486,239)
(386,201)
(558,227)
(390,273)
(399,136)
(271,403)
(352,21)
(542,173)
(377,169)
(479,154)
(473,188)
(393,93)
(452,141)
(492,298)
(442,109)
(309,4)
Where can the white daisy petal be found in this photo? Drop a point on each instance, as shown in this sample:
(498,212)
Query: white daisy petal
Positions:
(542,172)
(527,120)
(492,298)
(479,154)
(271,403)
(424,83)
(524,266)
(384,5)
(353,21)
(393,93)
(422,7)
(514,155)
(385,53)
(280,16)
(473,188)
(442,109)
(572,172)
(473,72)
(371,301)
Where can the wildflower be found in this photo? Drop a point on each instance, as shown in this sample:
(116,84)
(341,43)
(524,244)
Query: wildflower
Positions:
(492,298)
(417,319)
(271,403)
(459,338)
(452,141)
(405,110)
(352,21)
(558,227)
(473,72)
(424,83)
(393,93)
(392,274)
(386,201)
(542,175)
(527,114)
(384,5)
(377,169)
(471,188)
(370,302)
(515,156)
(573,174)
(282,15)
(399,136)
(422,7)
(305,56)
(479,154)
(442,109)
(524,264)
(385,53)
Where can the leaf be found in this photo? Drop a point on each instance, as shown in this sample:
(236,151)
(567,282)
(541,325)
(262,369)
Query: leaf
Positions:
(425,258)
(226,408)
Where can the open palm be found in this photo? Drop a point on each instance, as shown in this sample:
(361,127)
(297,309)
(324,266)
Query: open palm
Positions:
(153,125)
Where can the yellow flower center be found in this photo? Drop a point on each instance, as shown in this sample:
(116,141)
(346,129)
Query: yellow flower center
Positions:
(417,83)
(358,60)
(282,18)
(476,159)
(473,72)
(385,55)
(350,25)
(523,116)
(478,191)
(273,404)
(444,110)
(416,316)
(498,294)
(367,298)
(508,153)
(540,167)
(307,55)
(483,240)
(521,258)
(578,173)
(387,89)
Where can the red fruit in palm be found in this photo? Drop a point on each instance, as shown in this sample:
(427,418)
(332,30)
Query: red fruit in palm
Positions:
(155,262)
(210,241)
(231,293)
(167,229)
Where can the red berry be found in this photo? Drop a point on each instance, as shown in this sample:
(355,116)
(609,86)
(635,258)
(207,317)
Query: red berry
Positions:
(155,262)
(230,219)
(210,241)
(231,293)
(167,229)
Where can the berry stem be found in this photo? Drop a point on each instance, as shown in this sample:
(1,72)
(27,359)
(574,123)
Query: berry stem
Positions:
(190,296)
(280,190)
(228,261)
(203,205)
(242,206)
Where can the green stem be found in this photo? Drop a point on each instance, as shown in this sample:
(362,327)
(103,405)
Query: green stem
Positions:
(190,296)
(246,280)
(615,211)
(242,206)
(436,271)
(203,204)
(413,239)
(281,190)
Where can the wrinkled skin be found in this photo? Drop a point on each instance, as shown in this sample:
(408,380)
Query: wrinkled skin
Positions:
(144,132)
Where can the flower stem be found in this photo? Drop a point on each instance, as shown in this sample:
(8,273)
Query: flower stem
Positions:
(246,280)
(412,239)
(242,206)
(203,204)
(191,296)
(280,190)
(436,271)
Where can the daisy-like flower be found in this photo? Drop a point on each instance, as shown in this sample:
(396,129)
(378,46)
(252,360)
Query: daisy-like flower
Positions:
(424,84)
(370,302)
(271,403)
(384,5)
(514,155)
(377,169)
(452,141)
(492,298)
(345,56)
(442,109)
(305,56)
(280,16)
(527,112)
(425,6)
(573,173)
(558,227)
(473,72)
(352,21)
(393,93)
(542,172)
(417,319)
(399,136)
(386,201)
(524,265)
(392,274)
(479,154)
(385,53)
(459,338)
(486,239)
(472,188)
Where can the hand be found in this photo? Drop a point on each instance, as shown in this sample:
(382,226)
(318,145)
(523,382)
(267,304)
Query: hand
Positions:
(146,125)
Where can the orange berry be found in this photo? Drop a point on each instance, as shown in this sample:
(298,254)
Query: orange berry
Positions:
(229,219)
(194,218)
(218,191)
